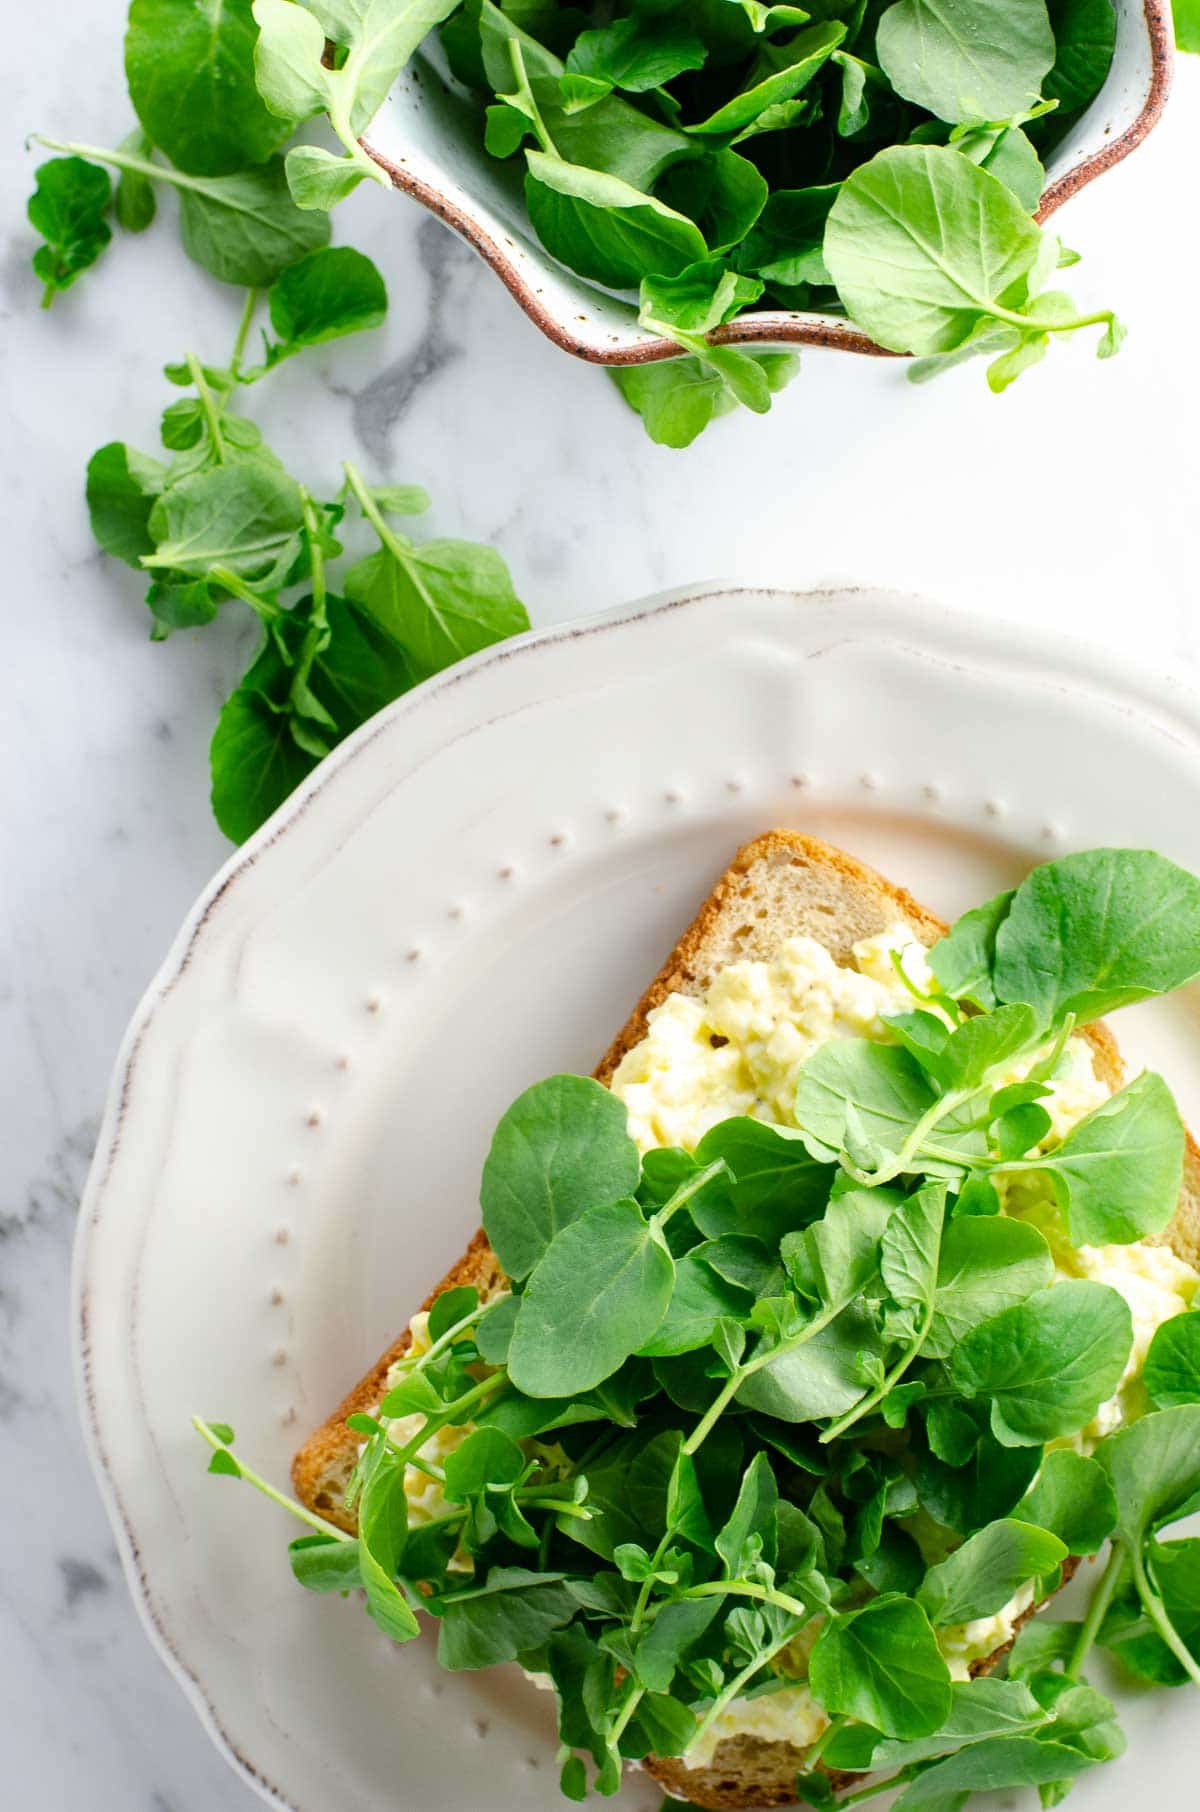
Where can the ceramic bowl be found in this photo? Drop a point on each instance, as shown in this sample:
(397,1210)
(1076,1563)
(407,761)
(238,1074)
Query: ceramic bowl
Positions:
(427,139)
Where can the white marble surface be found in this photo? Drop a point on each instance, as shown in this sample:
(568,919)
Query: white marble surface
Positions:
(1071,501)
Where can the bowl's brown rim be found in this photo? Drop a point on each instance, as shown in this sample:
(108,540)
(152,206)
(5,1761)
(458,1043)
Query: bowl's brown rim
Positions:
(780,329)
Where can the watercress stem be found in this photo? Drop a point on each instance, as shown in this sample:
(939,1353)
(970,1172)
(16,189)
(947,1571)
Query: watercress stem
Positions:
(208,403)
(881,1390)
(1101,1599)
(736,1379)
(746,1588)
(730,1691)
(1154,1608)
(264,608)
(648,1584)
(686,1191)
(124,160)
(243,332)
(487,1387)
(813,1754)
(260,1484)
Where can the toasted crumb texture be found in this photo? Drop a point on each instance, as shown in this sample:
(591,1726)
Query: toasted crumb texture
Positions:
(781,885)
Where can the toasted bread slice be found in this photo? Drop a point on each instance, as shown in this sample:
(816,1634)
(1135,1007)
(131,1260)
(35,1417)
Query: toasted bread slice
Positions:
(781,885)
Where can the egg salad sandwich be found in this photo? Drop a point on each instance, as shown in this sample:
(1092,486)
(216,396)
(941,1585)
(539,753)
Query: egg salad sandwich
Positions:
(807,1349)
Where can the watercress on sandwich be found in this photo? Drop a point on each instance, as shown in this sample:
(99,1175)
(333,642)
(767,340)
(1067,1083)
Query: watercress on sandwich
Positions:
(785,1413)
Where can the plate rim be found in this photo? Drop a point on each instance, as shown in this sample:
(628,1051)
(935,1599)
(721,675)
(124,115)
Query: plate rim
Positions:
(903,619)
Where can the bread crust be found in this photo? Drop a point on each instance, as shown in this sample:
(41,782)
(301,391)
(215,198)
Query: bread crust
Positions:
(777,884)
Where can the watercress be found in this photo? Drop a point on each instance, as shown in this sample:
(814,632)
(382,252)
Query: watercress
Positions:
(879,163)
(804,1405)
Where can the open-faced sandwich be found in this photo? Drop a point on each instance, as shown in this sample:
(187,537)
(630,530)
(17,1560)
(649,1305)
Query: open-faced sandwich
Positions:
(808,1348)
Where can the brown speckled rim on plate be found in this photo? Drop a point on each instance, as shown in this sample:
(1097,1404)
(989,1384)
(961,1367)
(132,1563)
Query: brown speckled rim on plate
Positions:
(783,328)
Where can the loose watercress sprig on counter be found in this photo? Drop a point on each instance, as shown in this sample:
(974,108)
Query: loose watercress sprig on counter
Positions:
(222,518)
(785,1410)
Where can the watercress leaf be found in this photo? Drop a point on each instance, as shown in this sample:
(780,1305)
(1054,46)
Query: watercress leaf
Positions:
(986,1264)
(923,245)
(674,1630)
(678,398)
(187,605)
(983,1042)
(979,1578)
(245,229)
(661,1726)
(785,245)
(697,300)
(1017,1130)
(780,72)
(612,135)
(1001,1761)
(560,1149)
(952,1433)
(246,517)
(882,1665)
(752,1521)
(382,1529)
(451,1307)
(513,1610)
(966,1494)
(1171,1373)
(122,485)
(318,179)
(441,601)
(603,228)
(742,1261)
(909,1248)
(324,1564)
(1072,1497)
(596,1295)
(414,1394)
(698,1303)
(824,1377)
(134,202)
(1117,1174)
(1099,930)
(844,1245)
(963,960)
(980,1708)
(486,1458)
(636,54)
(224,1462)
(1085,37)
(1128,1631)
(401,499)
(256,762)
(68,208)
(190,69)
(853,1087)
(1154,1468)
(1010,157)
(1039,1645)
(723,192)
(331,292)
(775,1185)
(966,59)
(1048,1363)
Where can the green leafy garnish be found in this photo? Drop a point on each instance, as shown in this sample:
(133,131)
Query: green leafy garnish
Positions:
(811,1404)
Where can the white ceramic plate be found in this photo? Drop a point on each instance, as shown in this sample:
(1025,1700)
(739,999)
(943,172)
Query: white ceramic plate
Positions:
(471,894)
